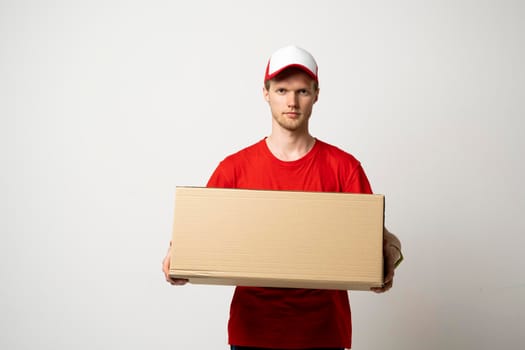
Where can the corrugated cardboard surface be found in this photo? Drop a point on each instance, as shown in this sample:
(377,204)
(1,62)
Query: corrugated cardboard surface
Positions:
(278,238)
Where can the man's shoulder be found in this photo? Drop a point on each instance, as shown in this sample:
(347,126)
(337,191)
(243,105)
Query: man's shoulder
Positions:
(332,151)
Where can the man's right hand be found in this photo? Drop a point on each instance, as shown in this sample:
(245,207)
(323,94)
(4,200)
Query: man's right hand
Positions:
(166,270)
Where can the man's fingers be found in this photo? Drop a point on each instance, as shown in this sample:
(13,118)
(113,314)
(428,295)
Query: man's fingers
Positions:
(177,281)
(386,286)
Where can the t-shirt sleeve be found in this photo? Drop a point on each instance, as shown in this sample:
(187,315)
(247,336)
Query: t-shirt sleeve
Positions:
(222,177)
(358,182)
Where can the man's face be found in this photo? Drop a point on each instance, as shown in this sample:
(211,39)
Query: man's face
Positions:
(291,98)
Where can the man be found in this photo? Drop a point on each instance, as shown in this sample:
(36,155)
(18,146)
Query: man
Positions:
(290,158)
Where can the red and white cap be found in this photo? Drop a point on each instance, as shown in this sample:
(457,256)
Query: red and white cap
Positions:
(291,56)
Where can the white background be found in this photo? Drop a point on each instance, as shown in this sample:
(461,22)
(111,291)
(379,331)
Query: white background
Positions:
(106,106)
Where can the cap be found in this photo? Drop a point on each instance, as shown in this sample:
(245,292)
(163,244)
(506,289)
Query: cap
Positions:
(291,56)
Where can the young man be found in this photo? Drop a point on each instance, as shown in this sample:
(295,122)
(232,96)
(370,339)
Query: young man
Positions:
(290,158)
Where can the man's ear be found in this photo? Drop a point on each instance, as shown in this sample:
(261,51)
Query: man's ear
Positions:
(316,95)
(266,94)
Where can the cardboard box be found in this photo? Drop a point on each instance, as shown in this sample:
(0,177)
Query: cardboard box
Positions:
(278,238)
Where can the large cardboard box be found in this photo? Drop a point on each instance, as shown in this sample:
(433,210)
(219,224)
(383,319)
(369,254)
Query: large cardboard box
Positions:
(278,238)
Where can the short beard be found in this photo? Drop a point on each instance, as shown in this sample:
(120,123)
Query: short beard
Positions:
(300,125)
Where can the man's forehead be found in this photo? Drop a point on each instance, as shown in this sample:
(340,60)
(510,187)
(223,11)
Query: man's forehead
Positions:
(296,77)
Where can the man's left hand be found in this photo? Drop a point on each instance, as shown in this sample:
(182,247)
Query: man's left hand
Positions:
(392,256)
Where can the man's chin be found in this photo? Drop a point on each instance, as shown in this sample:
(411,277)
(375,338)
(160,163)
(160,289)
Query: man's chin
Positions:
(292,126)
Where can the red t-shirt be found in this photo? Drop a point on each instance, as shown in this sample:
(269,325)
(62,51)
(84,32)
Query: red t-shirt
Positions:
(286,317)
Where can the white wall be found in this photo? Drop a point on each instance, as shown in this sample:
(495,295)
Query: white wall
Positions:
(106,106)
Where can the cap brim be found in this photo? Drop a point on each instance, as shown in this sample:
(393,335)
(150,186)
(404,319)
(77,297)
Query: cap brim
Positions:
(298,66)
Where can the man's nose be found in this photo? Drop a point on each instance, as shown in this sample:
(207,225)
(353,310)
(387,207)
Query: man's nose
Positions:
(292,99)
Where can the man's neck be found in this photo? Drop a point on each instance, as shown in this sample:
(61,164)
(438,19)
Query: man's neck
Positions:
(290,146)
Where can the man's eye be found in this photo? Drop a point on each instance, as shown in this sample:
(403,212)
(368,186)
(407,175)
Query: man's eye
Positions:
(304,92)
(280,91)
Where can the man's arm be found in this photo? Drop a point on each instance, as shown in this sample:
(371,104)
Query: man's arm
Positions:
(166,270)
(392,256)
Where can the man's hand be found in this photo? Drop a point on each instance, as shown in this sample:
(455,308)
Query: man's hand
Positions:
(166,270)
(392,256)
